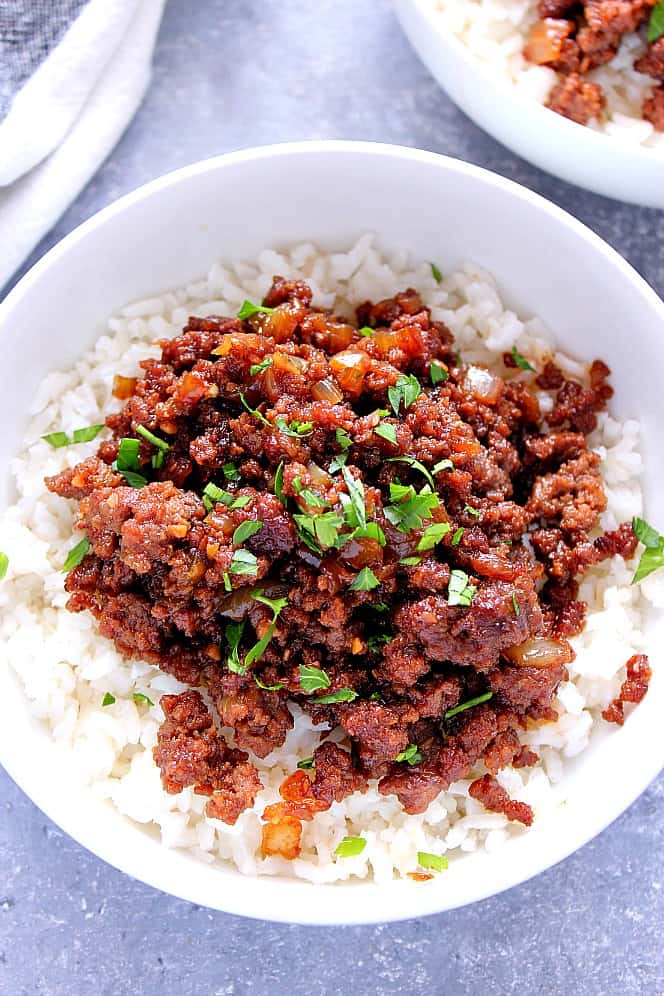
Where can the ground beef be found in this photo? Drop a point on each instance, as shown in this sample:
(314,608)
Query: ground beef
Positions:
(577,100)
(492,795)
(190,751)
(633,688)
(277,549)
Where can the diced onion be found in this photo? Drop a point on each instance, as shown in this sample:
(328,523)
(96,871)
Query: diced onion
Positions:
(326,390)
(483,385)
(540,651)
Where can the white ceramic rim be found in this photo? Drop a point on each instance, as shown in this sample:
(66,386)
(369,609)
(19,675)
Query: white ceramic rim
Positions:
(568,131)
(263,897)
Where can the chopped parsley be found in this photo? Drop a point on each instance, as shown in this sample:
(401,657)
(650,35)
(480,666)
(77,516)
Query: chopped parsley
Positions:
(343,439)
(435,273)
(437,372)
(306,763)
(366,330)
(410,561)
(243,562)
(245,530)
(227,582)
(108,699)
(374,643)
(84,435)
(233,634)
(279,484)
(459,591)
(366,580)
(140,697)
(371,531)
(468,705)
(521,361)
(475,512)
(515,605)
(411,755)
(350,847)
(268,688)
(257,651)
(356,515)
(652,557)
(4,564)
(406,390)
(416,465)
(320,529)
(410,509)
(258,368)
(254,411)
(248,310)
(445,464)
(656,22)
(295,429)
(230,472)
(458,533)
(76,554)
(308,496)
(133,479)
(213,495)
(342,695)
(151,438)
(127,458)
(432,862)
(433,534)
(313,678)
(387,431)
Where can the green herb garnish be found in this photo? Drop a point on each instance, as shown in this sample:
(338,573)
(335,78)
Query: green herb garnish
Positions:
(127,458)
(406,390)
(215,495)
(387,431)
(445,464)
(343,439)
(411,755)
(279,484)
(366,330)
(230,472)
(243,562)
(108,699)
(433,534)
(306,763)
(140,697)
(652,557)
(76,554)
(295,429)
(84,435)
(437,372)
(515,605)
(458,533)
(366,580)
(257,651)
(435,273)
(313,678)
(350,847)
(475,512)
(374,643)
(258,368)
(433,862)
(343,695)
(248,310)
(268,688)
(416,465)
(227,581)
(356,494)
(468,705)
(151,438)
(656,22)
(57,439)
(245,530)
(521,361)
(410,561)
(410,509)
(459,591)
(233,634)
(4,564)
(133,479)
(254,411)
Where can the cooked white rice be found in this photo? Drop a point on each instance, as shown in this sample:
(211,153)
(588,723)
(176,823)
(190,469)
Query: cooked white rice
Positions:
(495,31)
(66,667)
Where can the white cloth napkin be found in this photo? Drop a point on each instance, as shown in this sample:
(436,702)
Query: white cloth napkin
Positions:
(64,113)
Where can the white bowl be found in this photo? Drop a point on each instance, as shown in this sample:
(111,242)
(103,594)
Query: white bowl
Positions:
(167,233)
(598,162)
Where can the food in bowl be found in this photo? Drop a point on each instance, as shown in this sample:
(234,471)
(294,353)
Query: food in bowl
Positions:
(327,524)
(599,63)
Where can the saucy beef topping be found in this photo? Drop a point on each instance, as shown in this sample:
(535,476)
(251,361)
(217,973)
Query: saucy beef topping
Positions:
(296,509)
(574,38)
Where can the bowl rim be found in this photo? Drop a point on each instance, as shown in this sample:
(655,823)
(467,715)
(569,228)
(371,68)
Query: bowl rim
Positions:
(263,897)
(569,131)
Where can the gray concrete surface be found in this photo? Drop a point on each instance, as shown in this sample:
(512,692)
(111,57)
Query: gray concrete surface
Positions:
(230,74)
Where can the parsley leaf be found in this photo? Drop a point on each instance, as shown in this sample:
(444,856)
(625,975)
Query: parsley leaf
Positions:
(326,528)
(521,361)
(243,562)
(313,678)
(245,530)
(257,651)
(254,411)
(410,508)
(433,534)
(230,472)
(656,22)
(257,368)
(248,310)
(434,862)
(515,605)
(371,531)
(475,512)
(411,755)
(366,330)
(306,763)
(127,458)
(416,465)
(151,438)
(374,643)
(410,561)
(308,496)
(4,564)
(212,495)
(435,273)
(133,479)
(268,688)
(445,464)
(76,554)
(437,372)
(387,431)
(108,699)
(350,847)
(140,697)
(233,634)
(57,439)
(365,580)
(343,695)
(295,429)
(343,439)
(459,592)
(279,484)
(356,494)
(468,705)
(406,389)
(652,557)
(458,533)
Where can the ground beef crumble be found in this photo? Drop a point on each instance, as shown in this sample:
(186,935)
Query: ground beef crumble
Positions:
(326,523)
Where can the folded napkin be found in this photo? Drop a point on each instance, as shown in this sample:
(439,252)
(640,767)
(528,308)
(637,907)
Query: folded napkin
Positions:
(72,74)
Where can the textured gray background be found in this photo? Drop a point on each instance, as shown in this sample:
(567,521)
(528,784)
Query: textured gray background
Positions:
(230,74)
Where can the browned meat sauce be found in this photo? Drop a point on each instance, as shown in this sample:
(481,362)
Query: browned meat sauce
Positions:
(576,37)
(333,515)
(633,688)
